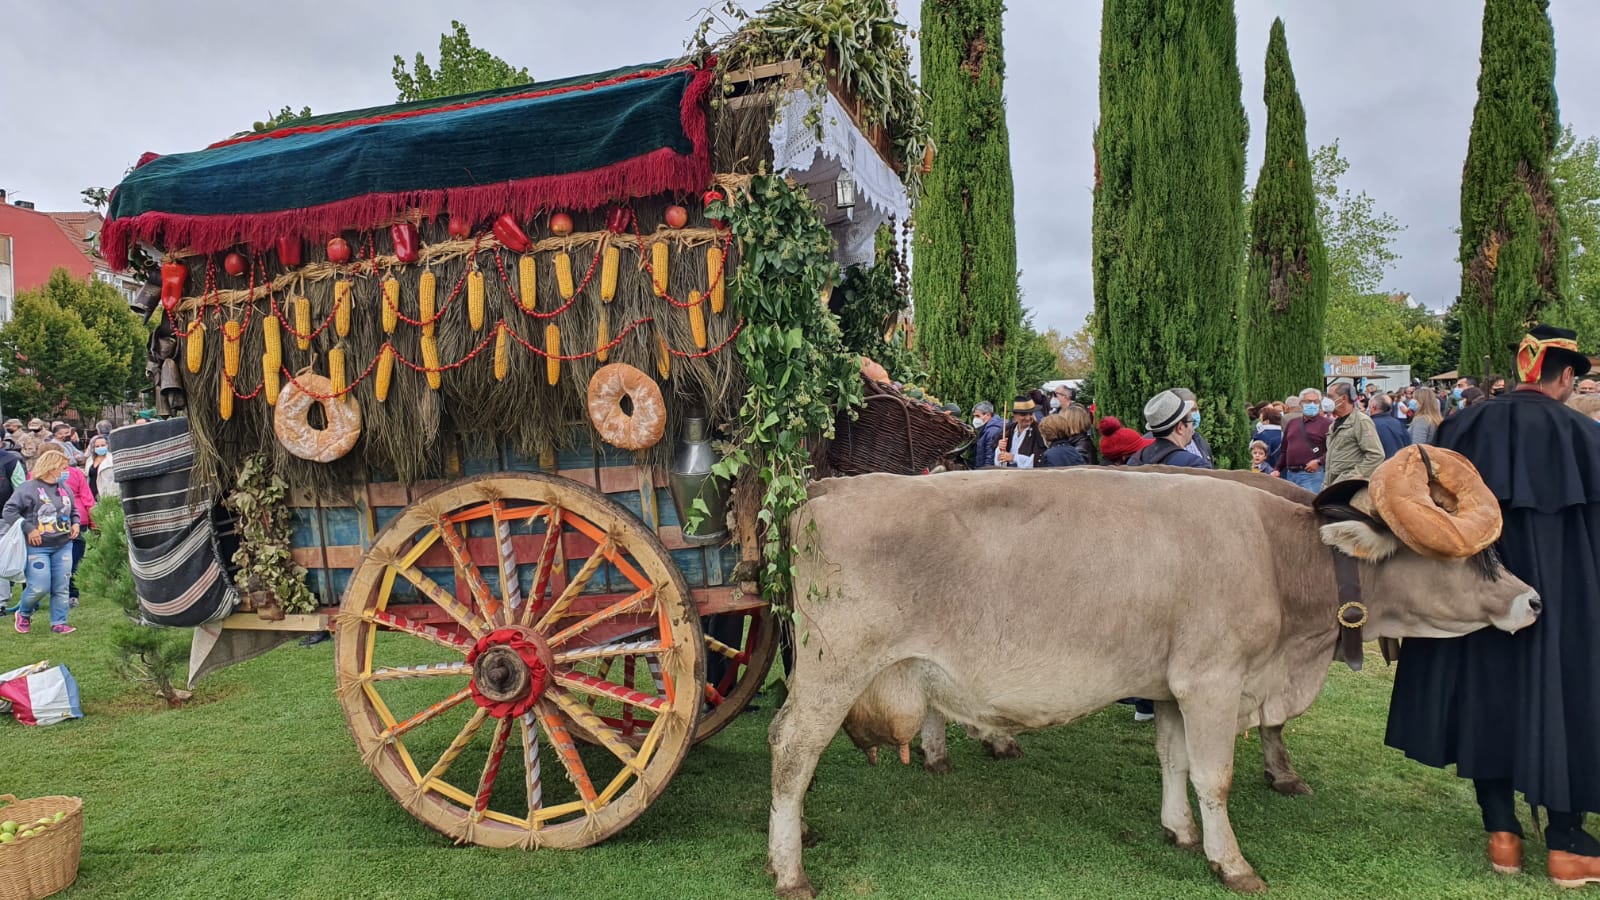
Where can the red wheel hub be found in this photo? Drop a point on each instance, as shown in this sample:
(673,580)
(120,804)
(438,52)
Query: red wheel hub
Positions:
(510,670)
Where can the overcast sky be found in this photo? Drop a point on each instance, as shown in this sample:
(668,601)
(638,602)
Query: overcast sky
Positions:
(1393,80)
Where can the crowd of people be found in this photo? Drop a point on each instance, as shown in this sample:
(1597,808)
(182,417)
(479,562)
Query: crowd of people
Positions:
(50,480)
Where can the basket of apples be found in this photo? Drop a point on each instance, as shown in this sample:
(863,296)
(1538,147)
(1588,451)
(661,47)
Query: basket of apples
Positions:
(40,842)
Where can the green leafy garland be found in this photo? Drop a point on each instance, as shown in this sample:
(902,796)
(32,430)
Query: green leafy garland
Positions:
(799,372)
(265,556)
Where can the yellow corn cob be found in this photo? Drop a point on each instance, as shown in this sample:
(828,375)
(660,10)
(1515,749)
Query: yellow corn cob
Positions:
(231,331)
(564,274)
(663,357)
(302,322)
(341,308)
(427,295)
(658,268)
(475,299)
(271,358)
(336,373)
(430,359)
(386,371)
(609,264)
(697,319)
(528,272)
(391,304)
(502,363)
(719,279)
(195,346)
(603,336)
(225,399)
(552,346)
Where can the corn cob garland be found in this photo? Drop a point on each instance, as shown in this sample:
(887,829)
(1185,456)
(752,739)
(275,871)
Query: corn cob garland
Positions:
(475,299)
(602,336)
(302,323)
(336,372)
(271,358)
(225,399)
(697,319)
(391,304)
(195,346)
(502,363)
(385,374)
(663,357)
(341,308)
(552,346)
(427,297)
(430,360)
(658,268)
(610,264)
(231,331)
(564,275)
(528,282)
(718,281)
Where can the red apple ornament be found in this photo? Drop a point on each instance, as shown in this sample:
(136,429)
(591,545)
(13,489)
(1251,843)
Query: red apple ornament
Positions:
(338,250)
(235,264)
(677,216)
(561,224)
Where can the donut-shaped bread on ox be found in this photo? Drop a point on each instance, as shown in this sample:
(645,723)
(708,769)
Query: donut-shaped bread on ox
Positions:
(1436,502)
(637,430)
(292,424)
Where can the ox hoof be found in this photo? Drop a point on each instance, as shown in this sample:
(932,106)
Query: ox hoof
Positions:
(938,767)
(1190,842)
(800,890)
(1289,787)
(1246,882)
(1006,749)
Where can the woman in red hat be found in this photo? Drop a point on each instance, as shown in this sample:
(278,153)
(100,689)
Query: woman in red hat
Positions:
(1118,442)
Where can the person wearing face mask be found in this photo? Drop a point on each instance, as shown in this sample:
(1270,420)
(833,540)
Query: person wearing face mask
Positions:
(1354,448)
(1426,416)
(1521,712)
(1305,443)
(1458,393)
(97,468)
(49,518)
(1497,385)
(989,429)
(1170,419)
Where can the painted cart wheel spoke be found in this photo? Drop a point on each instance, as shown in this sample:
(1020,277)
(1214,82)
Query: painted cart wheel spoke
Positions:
(499,618)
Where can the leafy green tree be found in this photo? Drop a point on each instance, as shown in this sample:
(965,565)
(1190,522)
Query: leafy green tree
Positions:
(96,198)
(1358,237)
(1389,327)
(1037,358)
(1286,285)
(1169,154)
(75,346)
(462,69)
(968,314)
(1576,168)
(1513,251)
(104,572)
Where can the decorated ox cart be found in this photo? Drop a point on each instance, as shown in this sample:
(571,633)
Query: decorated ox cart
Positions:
(459,372)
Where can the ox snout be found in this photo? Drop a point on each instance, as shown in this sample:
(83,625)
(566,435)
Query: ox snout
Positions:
(1524,611)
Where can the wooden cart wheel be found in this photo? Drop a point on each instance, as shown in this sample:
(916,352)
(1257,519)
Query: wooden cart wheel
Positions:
(438,682)
(746,663)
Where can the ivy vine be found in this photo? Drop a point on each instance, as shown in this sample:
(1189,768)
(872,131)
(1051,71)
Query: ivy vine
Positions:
(792,352)
(265,557)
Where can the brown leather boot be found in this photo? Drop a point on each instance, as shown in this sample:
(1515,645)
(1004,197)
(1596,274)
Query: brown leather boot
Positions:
(1505,852)
(1570,870)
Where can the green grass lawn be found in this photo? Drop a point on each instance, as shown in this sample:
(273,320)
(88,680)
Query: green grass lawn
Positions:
(256,790)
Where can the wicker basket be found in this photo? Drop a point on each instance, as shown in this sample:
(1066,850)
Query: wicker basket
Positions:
(892,433)
(44,864)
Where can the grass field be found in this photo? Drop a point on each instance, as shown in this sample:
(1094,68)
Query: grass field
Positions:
(256,791)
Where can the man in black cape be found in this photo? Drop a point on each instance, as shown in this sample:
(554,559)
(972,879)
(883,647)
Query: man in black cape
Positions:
(1521,712)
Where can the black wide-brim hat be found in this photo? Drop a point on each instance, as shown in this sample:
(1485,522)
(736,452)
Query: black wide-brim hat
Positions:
(1545,344)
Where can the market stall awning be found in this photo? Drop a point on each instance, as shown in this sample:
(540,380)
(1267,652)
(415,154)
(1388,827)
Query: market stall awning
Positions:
(573,144)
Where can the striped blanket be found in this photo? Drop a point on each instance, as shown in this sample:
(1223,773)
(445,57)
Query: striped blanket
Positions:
(174,538)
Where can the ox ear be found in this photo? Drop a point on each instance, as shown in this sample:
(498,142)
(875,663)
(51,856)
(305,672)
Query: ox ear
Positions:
(1360,539)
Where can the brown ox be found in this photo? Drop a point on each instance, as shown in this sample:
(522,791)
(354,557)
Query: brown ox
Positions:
(1019,652)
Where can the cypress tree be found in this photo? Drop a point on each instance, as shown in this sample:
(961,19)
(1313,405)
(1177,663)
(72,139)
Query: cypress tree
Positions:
(1286,285)
(1513,252)
(964,279)
(1168,222)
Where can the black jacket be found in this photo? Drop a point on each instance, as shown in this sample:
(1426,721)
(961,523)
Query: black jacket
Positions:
(1059,455)
(9,464)
(1032,443)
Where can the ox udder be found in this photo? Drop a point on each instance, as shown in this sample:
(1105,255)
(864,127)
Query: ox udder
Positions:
(972,631)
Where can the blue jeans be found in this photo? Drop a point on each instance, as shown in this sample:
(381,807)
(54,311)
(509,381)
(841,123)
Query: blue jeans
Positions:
(49,572)
(1311,481)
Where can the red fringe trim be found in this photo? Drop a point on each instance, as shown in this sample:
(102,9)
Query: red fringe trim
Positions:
(659,171)
(413,113)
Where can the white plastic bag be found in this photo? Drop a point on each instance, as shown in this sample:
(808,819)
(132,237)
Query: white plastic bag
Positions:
(13,552)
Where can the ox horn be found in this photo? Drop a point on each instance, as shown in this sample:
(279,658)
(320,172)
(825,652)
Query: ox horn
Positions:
(1436,502)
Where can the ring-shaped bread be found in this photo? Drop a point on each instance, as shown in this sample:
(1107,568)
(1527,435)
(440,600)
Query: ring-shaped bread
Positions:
(1452,515)
(292,424)
(638,430)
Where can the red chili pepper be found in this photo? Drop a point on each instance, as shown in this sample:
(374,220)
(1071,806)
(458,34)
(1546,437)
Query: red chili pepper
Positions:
(509,233)
(174,276)
(619,220)
(710,197)
(289,252)
(407,244)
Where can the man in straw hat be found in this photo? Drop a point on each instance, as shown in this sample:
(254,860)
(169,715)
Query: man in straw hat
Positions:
(1521,712)
(1022,443)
